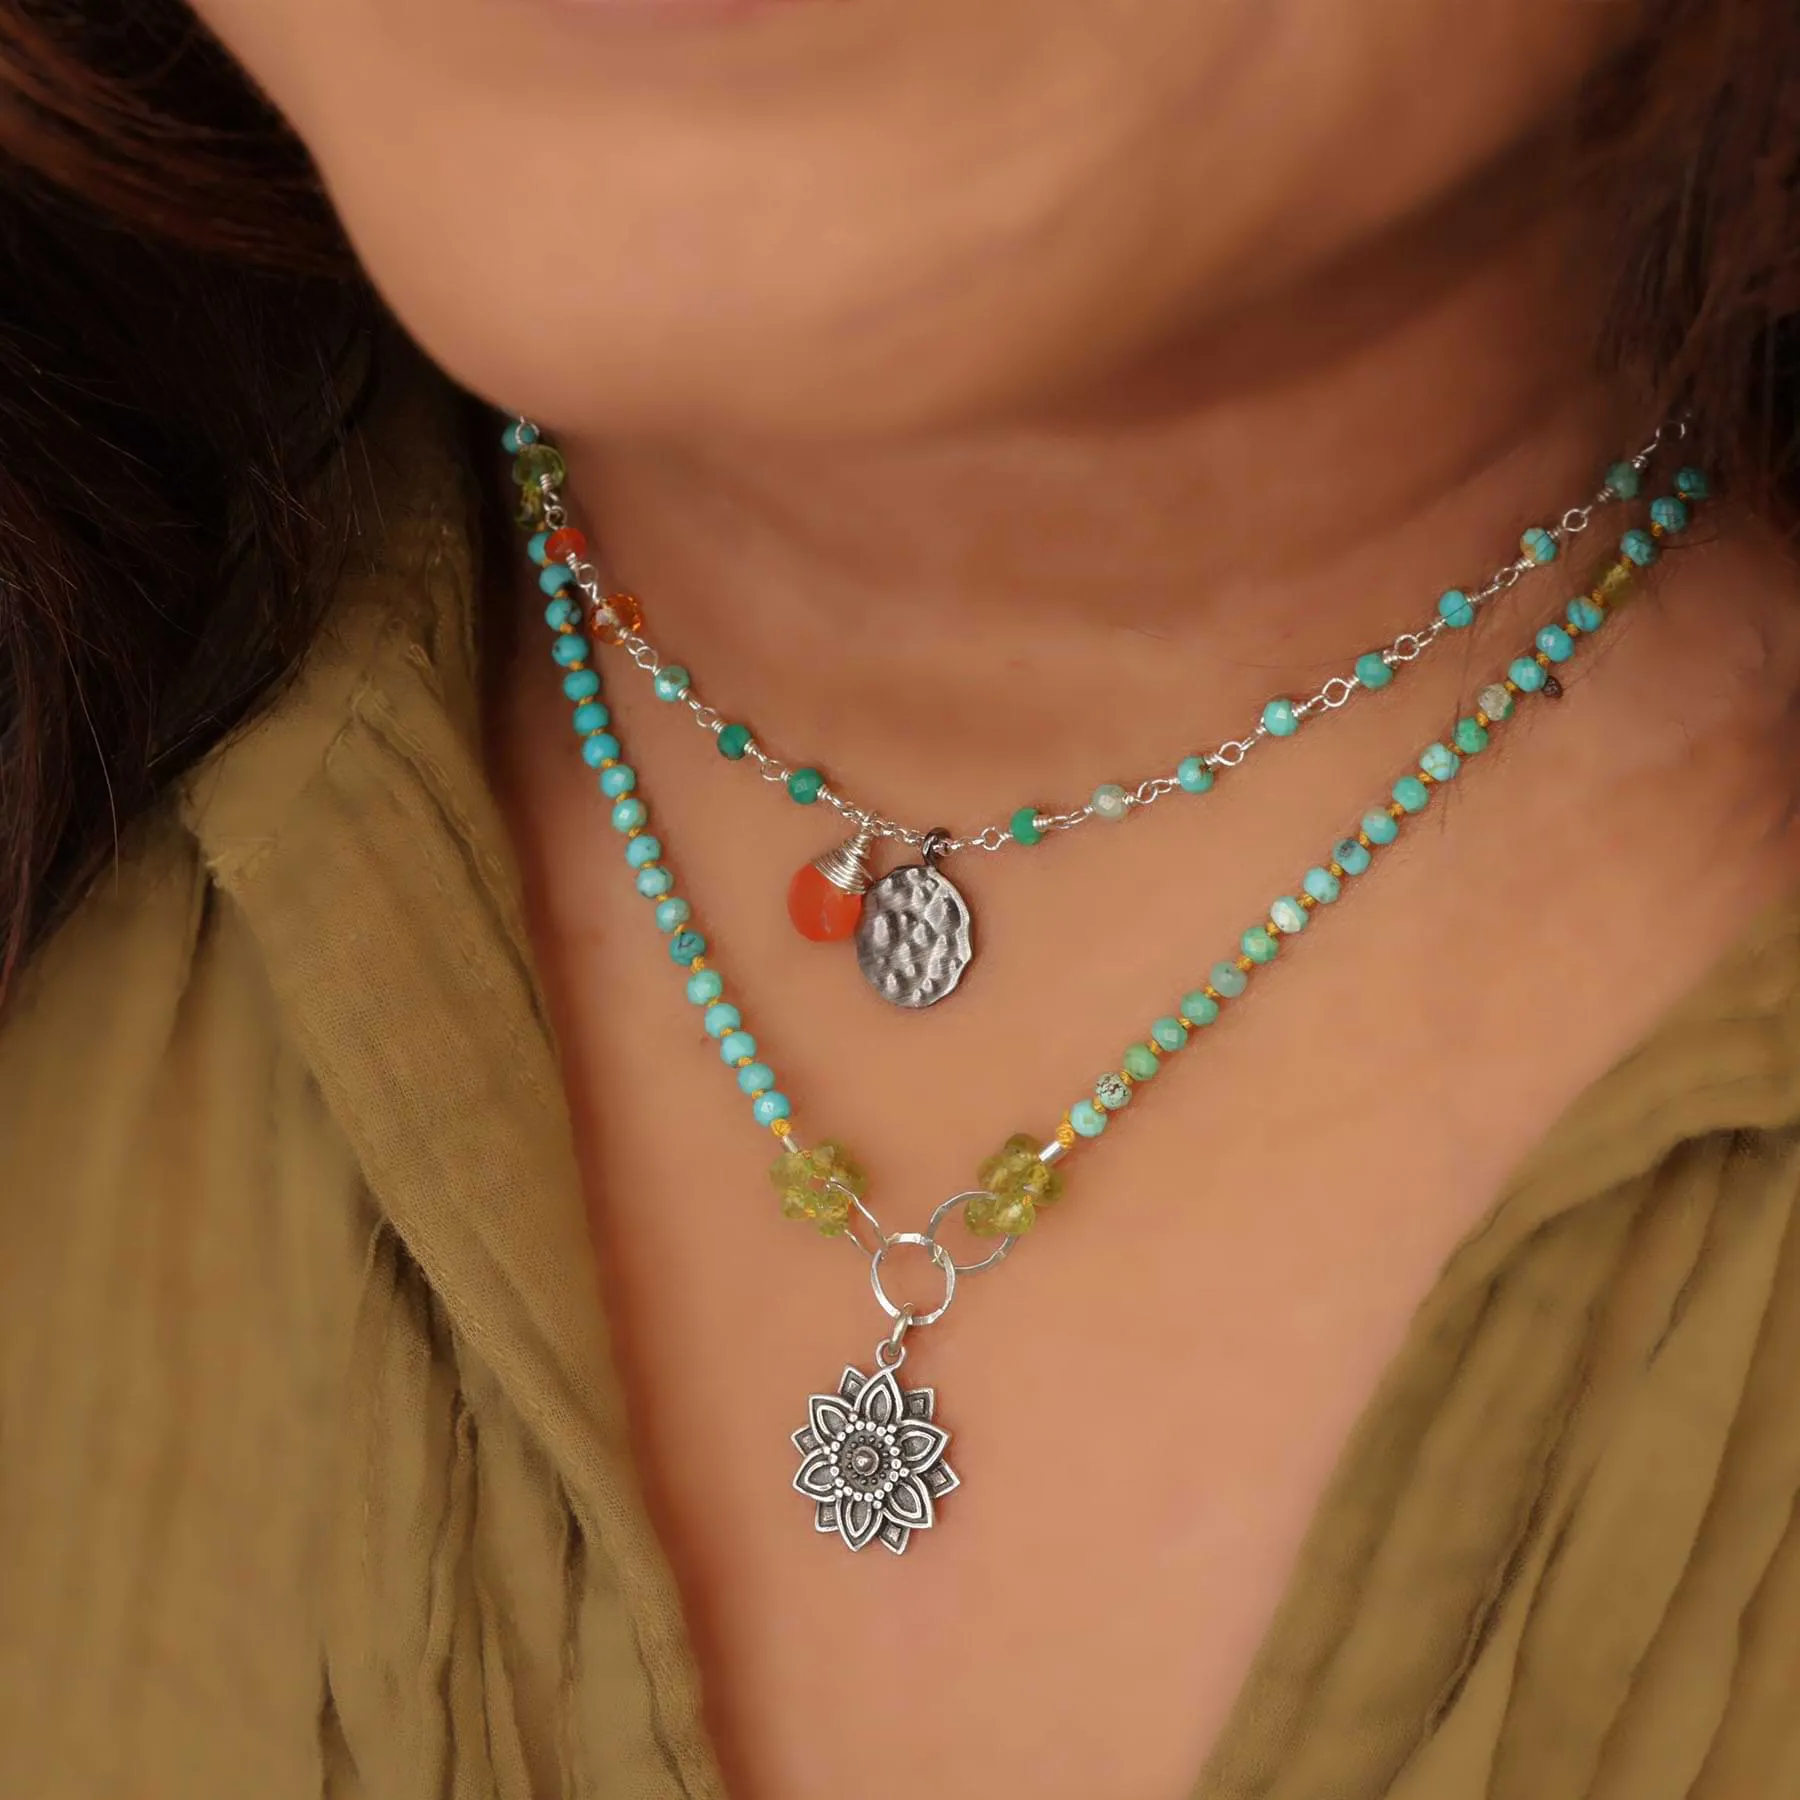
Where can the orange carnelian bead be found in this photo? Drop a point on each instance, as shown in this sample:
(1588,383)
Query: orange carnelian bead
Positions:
(561,545)
(627,615)
(821,912)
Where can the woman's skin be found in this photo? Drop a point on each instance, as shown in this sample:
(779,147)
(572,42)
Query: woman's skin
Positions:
(988,401)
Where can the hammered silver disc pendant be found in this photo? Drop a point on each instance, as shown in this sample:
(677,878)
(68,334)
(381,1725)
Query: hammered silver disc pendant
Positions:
(872,1462)
(916,936)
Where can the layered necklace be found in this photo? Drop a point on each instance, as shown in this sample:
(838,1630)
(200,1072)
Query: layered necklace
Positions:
(873,1458)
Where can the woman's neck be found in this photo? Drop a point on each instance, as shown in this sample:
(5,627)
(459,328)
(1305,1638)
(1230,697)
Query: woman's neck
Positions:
(1030,608)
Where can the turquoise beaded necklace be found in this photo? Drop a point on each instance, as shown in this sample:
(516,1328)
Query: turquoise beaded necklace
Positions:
(913,929)
(873,1459)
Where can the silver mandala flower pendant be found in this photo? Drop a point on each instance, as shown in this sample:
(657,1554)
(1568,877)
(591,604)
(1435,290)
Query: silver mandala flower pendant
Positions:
(872,1462)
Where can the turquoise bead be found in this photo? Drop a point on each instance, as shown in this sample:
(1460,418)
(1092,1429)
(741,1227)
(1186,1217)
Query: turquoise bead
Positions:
(517,435)
(1372,670)
(1280,719)
(1112,1093)
(1584,615)
(721,1021)
(1140,1062)
(1471,736)
(1260,944)
(1109,802)
(534,548)
(1352,856)
(1440,762)
(671,914)
(629,814)
(560,612)
(771,1106)
(1228,979)
(686,947)
(581,684)
(654,881)
(1412,794)
(618,781)
(1671,514)
(1691,484)
(642,851)
(704,987)
(1526,675)
(1025,828)
(1195,774)
(758,1078)
(1170,1033)
(1539,545)
(805,786)
(570,648)
(1625,480)
(1089,1121)
(735,1046)
(1200,1009)
(1323,885)
(600,749)
(1379,826)
(1456,609)
(1556,643)
(590,715)
(556,577)
(733,741)
(1640,546)
(1288,916)
(672,683)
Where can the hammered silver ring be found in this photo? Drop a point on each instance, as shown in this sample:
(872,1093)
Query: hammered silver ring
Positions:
(946,1267)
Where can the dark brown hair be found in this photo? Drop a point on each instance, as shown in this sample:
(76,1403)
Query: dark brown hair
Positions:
(182,335)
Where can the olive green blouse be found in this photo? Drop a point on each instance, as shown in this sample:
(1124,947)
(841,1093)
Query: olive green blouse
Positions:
(313,1471)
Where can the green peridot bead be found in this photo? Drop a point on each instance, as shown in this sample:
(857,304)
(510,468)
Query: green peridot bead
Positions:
(535,462)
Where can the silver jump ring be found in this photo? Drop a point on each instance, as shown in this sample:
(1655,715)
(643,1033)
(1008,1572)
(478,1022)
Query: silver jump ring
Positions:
(995,1256)
(890,1353)
(946,1267)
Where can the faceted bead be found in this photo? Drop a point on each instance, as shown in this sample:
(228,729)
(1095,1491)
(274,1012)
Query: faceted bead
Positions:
(805,786)
(654,882)
(1440,762)
(722,1020)
(1024,826)
(1556,643)
(1259,944)
(571,648)
(1171,1034)
(765,1109)
(1624,480)
(629,814)
(1352,855)
(978,1215)
(1089,1121)
(561,613)
(1112,1092)
(642,850)
(565,543)
(1471,737)
(1288,916)
(801,1178)
(535,462)
(1456,609)
(517,435)
(704,987)
(686,947)
(1110,802)
(1495,701)
(1640,546)
(618,781)
(1228,979)
(734,1046)
(556,577)
(1018,1172)
(1584,615)
(590,716)
(672,682)
(1195,774)
(1525,674)
(1200,1009)
(671,913)
(1013,1215)
(600,749)
(1411,794)
(1280,719)
(1323,885)
(733,741)
(1539,545)
(1140,1062)
(1692,484)
(627,614)
(757,1078)
(1373,670)
(1671,514)
(537,547)
(822,912)
(581,684)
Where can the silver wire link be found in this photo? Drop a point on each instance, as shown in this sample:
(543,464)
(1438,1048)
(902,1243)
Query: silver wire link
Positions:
(1335,694)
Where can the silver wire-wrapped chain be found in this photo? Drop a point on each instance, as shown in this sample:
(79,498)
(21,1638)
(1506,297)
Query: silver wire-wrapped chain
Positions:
(1335,694)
